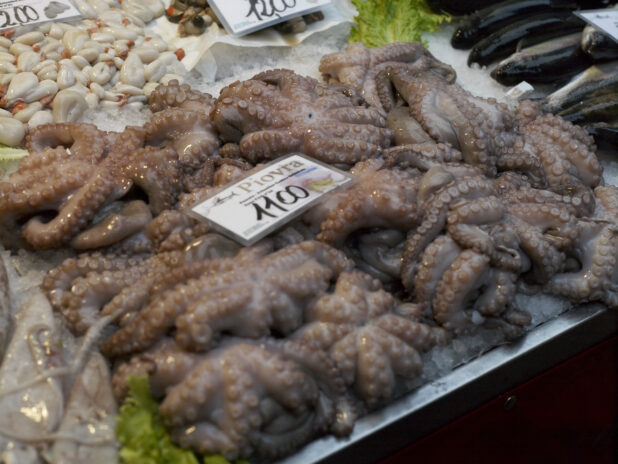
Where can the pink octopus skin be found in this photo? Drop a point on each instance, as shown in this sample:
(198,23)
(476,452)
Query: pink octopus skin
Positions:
(262,399)
(380,198)
(374,348)
(246,296)
(596,250)
(84,288)
(77,186)
(279,112)
(359,66)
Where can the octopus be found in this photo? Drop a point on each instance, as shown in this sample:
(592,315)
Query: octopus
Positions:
(595,251)
(61,197)
(380,198)
(359,66)
(374,348)
(245,398)
(181,120)
(279,112)
(250,295)
(87,287)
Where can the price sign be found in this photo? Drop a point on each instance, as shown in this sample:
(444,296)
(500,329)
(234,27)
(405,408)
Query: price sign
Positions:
(241,17)
(262,202)
(605,20)
(15,13)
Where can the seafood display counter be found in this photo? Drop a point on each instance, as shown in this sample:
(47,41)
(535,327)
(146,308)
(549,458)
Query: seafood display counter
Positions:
(384,433)
(475,249)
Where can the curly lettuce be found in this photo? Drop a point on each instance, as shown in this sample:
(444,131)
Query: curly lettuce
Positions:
(142,434)
(380,22)
(9,158)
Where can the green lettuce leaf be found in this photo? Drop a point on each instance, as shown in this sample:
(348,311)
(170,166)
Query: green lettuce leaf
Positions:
(10,157)
(142,434)
(380,22)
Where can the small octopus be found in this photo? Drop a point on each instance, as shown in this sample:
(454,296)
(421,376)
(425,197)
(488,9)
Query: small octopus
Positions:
(279,112)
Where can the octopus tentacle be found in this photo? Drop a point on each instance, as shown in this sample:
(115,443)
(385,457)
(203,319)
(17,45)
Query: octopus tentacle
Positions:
(83,140)
(464,276)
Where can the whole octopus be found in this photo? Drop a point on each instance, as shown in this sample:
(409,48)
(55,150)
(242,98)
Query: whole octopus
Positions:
(459,203)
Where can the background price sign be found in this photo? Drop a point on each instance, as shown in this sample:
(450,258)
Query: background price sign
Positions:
(268,199)
(241,17)
(605,20)
(16,13)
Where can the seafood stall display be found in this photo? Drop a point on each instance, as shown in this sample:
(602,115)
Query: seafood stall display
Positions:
(131,331)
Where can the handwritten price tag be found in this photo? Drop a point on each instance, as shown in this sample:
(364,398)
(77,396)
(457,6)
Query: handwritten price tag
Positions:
(241,17)
(262,202)
(605,20)
(15,13)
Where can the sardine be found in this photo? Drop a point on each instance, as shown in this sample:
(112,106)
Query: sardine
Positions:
(601,79)
(488,20)
(598,45)
(540,27)
(31,406)
(596,109)
(87,429)
(543,63)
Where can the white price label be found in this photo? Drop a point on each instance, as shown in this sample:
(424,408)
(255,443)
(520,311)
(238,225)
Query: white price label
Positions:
(605,20)
(241,17)
(16,13)
(262,202)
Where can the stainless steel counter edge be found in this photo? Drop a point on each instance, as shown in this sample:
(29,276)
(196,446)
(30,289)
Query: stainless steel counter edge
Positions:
(383,432)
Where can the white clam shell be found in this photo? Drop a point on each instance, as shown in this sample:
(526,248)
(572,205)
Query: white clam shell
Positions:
(103,37)
(81,76)
(120,32)
(30,38)
(149,88)
(79,61)
(6,67)
(28,60)
(138,9)
(74,40)
(5,113)
(146,53)
(19,48)
(118,62)
(101,73)
(68,106)
(48,72)
(40,117)
(4,42)
(5,56)
(6,78)
(98,90)
(132,71)
(155,70)
(52,47)
(65,78)
(56,31)
(53,56)
(42,65)
(129,89)
(159,44)
(21,86)
(46,88)
(12,131)
(25,114)
(92,100)
(106,56)
(137,98)
(91,54)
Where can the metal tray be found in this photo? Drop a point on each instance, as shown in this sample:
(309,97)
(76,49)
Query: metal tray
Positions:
(383,432)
